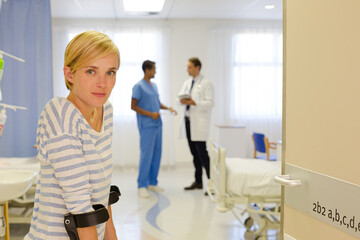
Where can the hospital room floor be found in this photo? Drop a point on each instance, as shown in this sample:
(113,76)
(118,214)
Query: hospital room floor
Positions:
(174,214)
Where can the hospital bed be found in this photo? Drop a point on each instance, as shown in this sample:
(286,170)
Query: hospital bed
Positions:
(21,208)
(236,182)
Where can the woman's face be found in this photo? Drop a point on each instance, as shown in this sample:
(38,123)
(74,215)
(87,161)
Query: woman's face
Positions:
(92,84)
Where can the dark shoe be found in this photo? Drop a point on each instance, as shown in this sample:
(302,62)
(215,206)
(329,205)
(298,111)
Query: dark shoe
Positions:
(206,193)
(193,186)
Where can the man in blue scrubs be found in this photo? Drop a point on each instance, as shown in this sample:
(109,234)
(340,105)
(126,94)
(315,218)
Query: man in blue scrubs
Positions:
(146,103)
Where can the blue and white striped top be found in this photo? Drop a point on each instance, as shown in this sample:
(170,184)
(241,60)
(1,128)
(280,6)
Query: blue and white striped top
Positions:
(76,168)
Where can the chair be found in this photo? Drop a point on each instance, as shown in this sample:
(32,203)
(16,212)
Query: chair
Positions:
(262,145)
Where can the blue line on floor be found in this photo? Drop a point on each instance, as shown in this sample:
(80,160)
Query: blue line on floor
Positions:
(162,203)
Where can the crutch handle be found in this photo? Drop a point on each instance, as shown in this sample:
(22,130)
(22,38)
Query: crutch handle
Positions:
(114,194)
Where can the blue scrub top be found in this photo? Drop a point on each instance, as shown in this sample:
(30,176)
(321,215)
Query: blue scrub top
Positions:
(148,99)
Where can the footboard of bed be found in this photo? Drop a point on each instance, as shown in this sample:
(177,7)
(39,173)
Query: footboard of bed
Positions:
(264,210)
(217,182)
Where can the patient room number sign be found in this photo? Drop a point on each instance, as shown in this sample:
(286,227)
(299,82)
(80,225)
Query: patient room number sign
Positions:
(325,198)
(335,215)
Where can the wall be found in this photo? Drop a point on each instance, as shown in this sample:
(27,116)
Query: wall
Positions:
(322,97)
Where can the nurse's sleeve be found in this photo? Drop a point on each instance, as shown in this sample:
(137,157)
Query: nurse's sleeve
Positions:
(136,92)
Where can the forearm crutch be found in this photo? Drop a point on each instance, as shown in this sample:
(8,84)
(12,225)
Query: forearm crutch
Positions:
(98,216)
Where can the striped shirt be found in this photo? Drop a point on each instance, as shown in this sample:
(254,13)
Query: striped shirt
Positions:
(76,168)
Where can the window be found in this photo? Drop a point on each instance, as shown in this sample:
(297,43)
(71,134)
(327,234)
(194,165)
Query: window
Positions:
(135,48)
(257,75)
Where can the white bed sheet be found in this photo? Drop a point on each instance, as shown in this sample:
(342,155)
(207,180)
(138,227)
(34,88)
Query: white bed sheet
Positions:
(252,177)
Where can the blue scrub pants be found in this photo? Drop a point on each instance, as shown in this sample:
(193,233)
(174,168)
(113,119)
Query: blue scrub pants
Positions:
(150,155)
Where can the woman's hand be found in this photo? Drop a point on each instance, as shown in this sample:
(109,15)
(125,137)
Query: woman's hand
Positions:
(110,232)
(88,233)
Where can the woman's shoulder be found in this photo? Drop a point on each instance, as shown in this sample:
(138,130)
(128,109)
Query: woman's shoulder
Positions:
(56,103)
(59,107)
(61,115)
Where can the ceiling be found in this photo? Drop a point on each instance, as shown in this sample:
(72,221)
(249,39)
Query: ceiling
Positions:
(208,9)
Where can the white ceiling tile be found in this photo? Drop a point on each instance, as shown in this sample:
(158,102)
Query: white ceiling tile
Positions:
(219,9)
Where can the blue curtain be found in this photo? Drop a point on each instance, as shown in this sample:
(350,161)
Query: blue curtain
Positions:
(25,31)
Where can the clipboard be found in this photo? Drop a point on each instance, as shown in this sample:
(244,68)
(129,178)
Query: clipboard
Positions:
(184,96)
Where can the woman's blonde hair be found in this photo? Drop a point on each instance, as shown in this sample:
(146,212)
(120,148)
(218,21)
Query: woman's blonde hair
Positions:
(88,47)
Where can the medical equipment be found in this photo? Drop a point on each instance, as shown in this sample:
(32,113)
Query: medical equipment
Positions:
(2,63)
(3,114)
(235,181)
(98,216)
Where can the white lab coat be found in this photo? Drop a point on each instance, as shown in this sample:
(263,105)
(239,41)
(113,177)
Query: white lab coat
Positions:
(202,94)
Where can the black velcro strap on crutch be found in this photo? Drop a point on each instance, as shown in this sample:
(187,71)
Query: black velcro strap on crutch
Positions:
(73,221)
(114,194)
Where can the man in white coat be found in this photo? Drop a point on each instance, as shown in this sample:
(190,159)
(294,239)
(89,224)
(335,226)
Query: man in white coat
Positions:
(197,97)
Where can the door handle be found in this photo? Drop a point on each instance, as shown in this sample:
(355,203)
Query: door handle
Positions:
(286,181)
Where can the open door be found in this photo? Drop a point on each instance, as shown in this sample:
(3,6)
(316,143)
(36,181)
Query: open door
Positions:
(321,120)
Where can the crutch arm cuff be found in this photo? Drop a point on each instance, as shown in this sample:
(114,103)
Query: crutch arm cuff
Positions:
(114,194)
(100,215)
(73,221)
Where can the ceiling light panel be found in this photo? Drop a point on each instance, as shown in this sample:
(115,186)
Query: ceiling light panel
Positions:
(143,5)
(270,6)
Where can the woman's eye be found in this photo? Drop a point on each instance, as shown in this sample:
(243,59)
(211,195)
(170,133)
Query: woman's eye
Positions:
(111,73)
(90,71)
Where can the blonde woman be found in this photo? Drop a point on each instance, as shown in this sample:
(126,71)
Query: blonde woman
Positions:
(74,139)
